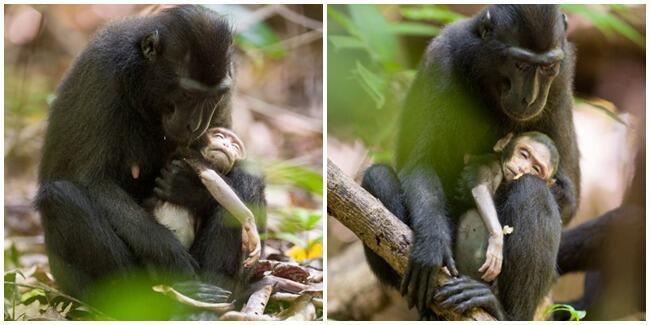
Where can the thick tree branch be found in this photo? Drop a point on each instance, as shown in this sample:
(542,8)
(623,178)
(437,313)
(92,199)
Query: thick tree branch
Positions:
(379,229)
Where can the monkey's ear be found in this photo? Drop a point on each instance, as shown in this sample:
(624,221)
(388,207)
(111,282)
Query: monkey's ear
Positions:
(565,21)
(150,45)
(485,26)
(503,142)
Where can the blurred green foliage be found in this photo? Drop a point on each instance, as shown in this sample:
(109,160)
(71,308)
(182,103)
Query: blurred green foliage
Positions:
(369,70)
(259,37)
(576,315)
(606,20)
(287,173)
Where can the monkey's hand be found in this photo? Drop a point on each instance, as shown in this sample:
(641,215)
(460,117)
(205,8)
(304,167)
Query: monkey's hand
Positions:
(420,279)
(179,184)
(564,192)
(493,258)
(251,243)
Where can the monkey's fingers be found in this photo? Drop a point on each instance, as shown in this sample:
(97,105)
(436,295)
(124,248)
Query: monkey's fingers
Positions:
(252,244)
(493,271)
(450,263)
(488,262)
(253,257)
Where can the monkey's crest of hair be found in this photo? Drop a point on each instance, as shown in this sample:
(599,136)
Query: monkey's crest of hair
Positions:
(195,42)
(210,37)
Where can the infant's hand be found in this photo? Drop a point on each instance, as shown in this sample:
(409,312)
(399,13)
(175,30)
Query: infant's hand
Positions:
(251,243)
(493,258)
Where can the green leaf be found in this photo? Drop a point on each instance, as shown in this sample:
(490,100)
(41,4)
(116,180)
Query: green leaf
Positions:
(291,238)
(418,29)
(372,83)
(346,42)
(342,20)
(375,31)
(297,175)
(34,294)
(431,12)
(313,241)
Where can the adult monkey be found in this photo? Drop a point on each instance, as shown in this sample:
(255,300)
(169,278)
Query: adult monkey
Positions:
(507,69)
(141,88)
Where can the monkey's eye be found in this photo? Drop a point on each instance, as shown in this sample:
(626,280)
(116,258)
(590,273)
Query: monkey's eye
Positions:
(524,153)
(522,65)
(236,146)
(537,169)
(220,136)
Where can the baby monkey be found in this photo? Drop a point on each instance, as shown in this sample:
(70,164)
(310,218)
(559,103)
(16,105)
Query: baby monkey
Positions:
(528,153)
(218,151)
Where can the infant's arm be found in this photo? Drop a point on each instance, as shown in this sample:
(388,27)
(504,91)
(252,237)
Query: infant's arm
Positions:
(486,208)
(227,198)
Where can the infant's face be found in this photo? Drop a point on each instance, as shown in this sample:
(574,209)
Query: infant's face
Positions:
(223,149)
(528,157)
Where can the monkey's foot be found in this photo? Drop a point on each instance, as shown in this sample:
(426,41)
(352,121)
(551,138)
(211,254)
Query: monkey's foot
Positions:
(462,294)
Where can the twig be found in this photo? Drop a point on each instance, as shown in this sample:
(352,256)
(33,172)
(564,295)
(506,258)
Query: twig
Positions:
(379,229)
(291,297)
(297,18)
(301,310)
(258,300)
(274,111)
(286,13)
(296,41)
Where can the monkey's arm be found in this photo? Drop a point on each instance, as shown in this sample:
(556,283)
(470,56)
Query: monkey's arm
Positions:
(488,212)
(224,195)
(129,220)
(431,249)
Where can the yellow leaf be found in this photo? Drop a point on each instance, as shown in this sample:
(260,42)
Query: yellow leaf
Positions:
(300,253)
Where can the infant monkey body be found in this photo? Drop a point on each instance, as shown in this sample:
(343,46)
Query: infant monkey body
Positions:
(211,157)
(479,239)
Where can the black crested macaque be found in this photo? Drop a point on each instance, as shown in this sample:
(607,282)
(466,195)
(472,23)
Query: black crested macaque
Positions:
(213,155)
(142,87)
(507,69)
(479,239)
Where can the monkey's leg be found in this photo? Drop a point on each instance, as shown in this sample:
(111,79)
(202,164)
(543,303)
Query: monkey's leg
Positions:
(382,182)
(529,259)
(82,247)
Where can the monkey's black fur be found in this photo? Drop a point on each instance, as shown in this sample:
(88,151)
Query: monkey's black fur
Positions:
(122,104)
(453,108)
(611,248)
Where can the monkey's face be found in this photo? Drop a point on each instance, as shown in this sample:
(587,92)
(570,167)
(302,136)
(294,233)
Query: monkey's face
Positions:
(530,56)
(223,148)
(526,156)
(189,69)
(527,83)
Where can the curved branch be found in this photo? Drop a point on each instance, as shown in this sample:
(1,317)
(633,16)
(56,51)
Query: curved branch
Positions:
(379,229)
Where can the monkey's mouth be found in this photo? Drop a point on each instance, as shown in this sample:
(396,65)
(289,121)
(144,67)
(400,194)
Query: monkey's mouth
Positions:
(521,115)
(510,173)
(222,152)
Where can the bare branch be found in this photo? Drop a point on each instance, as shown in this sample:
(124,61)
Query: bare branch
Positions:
(379,229)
